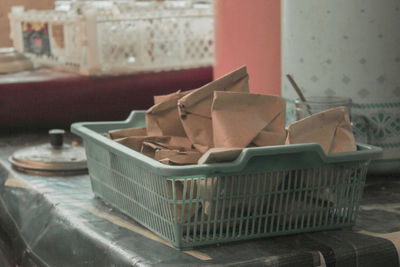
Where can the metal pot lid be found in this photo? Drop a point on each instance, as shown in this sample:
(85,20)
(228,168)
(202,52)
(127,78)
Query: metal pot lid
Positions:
(53,157)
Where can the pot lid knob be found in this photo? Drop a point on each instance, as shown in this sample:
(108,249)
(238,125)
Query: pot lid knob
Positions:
(56,138)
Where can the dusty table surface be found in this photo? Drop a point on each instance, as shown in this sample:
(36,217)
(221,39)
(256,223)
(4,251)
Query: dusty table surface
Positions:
(57,221)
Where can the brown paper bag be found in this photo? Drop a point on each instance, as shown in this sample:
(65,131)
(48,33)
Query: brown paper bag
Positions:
(217,155)
(304,210)
(162,119)
(269,138)
(136,142)
(184,211)
(116,134)
(195,107)
(174,157)
(172,143)
(239,118)
(163,98)
(243,192)
(331,129)
(178,141)
(150,148)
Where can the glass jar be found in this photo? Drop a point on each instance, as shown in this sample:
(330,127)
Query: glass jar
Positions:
(315,104)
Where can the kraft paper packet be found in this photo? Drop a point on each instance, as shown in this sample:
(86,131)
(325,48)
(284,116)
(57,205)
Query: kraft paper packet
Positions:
(218,155)
(246,193)
(120,133)
(162,119)
(241,118)
(136,142)
(149,147)
(162,98)
(234,187)
(173,143)
(195,107)
(268,137)
(209,187)
(293,202)
(326,178)
(328,175)
(331,129)
(174,157)
(179,141)
(183,211)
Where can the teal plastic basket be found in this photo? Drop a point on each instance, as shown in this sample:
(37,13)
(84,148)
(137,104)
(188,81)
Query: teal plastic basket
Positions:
(266,191)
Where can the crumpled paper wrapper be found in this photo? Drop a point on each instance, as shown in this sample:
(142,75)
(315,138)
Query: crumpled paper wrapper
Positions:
(195,107)
(162,119)
(219,155)
(237,191)
(121,133)
(241,118)
(331,129)
(183,211)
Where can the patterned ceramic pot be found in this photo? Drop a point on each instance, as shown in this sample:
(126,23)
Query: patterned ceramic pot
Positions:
(351,49)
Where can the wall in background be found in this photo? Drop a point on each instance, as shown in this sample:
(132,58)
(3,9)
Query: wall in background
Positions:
(351,49)
(5,7)
(249,33)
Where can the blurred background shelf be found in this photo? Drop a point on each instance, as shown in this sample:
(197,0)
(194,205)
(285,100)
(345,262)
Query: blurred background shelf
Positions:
(46,98)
